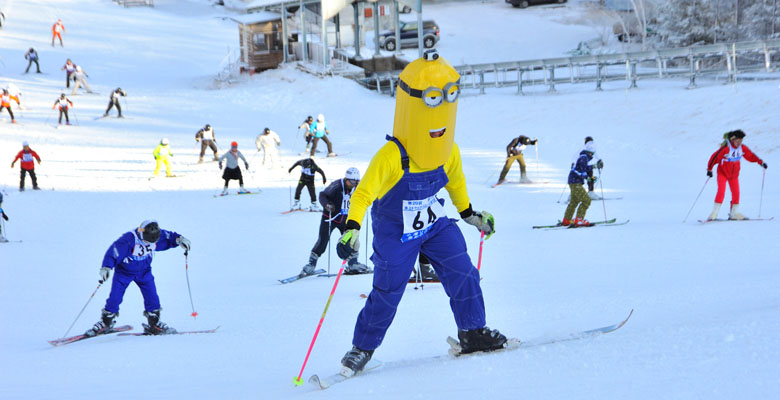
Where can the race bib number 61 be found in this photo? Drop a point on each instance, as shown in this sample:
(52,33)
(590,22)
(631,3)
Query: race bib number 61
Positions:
(419,217)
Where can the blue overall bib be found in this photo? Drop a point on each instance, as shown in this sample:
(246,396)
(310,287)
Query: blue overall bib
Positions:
(396,249)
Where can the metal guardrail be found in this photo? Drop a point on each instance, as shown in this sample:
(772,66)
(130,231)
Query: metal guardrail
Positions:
(727,59)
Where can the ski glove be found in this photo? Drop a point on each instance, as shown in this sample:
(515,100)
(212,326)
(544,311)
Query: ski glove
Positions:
(348,244)
(220,165)
(600,164)
(183,242)
(246,164)
(5,217)
(709,173)
(105,272)
(764,165)
(483,221)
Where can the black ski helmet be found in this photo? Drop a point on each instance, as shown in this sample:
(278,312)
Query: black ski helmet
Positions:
(588,139)
(207,126)
(150,231)
(62,95)
(31,50)
(266,130)
(119,89)
(309,118)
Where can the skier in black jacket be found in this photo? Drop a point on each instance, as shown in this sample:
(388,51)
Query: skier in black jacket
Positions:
(308,169)
(335,201)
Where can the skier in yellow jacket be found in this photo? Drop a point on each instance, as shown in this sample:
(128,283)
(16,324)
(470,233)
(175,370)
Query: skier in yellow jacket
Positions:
(402,182)
(162,153)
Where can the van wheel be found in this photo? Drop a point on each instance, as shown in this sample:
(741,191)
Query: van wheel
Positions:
(390,45)
(428,42)
(523,4)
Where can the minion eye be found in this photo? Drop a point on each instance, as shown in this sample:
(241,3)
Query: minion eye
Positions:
(451,92)
(432,97)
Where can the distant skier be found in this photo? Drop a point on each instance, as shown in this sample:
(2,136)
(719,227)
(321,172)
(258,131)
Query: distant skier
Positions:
(113,101)
(320,131)
(131,257)
(162,154)
(268,142)
(727,158)
(56,32)
(78,77)
(207,140)
(32,57)
(514,152)
(580,201)
(591,180)
(5,217)
(308,169)
(335,199)
(5,103)
(305,129)
(70,69)
(63,103)
(2,18)
(27,165)
(232,170)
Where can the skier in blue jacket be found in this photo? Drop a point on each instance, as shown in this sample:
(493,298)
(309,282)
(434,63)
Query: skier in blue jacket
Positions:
(131,257)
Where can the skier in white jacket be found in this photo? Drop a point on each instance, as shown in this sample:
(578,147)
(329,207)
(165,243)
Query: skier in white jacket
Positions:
(78,77)
(268,142)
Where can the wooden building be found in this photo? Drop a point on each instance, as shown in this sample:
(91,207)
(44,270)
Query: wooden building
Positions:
(260,38)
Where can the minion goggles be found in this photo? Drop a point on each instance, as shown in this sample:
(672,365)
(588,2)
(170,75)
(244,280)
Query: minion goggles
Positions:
(433,96)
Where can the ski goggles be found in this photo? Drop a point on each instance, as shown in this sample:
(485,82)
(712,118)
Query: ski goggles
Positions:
(433,96)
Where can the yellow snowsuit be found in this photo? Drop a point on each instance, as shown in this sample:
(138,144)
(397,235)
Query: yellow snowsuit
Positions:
(162,153)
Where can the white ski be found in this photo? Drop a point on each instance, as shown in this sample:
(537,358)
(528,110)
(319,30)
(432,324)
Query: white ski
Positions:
(342,376)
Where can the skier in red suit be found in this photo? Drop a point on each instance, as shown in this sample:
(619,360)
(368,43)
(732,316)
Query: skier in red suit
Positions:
(727,159)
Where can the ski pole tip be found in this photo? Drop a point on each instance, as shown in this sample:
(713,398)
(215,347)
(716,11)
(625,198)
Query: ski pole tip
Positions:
(297,381)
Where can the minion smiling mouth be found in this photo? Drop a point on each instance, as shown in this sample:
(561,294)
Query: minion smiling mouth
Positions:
(435,133)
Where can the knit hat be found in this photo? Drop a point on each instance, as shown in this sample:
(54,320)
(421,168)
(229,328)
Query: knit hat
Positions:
(25,144)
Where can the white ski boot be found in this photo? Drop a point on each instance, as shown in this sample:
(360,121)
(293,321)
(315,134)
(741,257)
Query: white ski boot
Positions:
(524,179)
(296,205)
(734,214)
(594,196)
(224,192)
(315,207)
(714,214)
(241,190)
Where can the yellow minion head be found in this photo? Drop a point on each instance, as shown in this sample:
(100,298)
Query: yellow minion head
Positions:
(425,107)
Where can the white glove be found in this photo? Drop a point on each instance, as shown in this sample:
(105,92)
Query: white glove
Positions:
(183,242)
(483,221)
(105,272)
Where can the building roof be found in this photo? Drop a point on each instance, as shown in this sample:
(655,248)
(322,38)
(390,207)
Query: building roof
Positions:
(257,17)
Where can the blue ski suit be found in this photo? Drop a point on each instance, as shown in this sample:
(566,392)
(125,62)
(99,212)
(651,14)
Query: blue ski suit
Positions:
(131,259)
(413,200)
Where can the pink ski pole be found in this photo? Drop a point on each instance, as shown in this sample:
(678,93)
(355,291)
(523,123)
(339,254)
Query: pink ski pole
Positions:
(297,380)
(481,242)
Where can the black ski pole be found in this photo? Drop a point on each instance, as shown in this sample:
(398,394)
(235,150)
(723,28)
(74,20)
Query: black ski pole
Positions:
(562,192)
(603,201)
(329,233)
(697,199)
(100,283)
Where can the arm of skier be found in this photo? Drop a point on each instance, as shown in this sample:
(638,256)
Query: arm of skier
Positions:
(716,156)
(383,172)
(750,156)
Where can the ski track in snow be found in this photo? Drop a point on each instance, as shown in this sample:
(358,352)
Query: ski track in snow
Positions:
(705,296)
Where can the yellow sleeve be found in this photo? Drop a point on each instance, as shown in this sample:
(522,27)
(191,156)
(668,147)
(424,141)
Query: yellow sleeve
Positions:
(157,151)
(456,186)
(383,172)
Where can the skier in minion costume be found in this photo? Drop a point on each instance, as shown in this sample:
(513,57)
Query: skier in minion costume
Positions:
(402,181)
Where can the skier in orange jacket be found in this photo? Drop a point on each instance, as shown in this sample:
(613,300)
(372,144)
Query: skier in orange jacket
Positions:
(56,31)
(5,102)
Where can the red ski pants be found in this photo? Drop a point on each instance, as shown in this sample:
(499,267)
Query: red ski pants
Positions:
(733,184)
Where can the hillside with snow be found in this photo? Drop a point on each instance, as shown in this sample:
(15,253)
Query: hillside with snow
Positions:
(705,298)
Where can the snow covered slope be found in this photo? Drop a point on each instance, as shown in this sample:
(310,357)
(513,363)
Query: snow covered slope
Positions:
(705,296)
